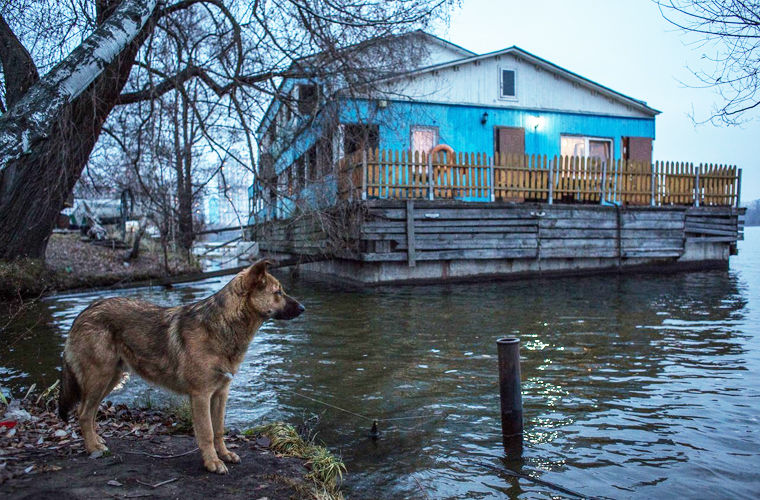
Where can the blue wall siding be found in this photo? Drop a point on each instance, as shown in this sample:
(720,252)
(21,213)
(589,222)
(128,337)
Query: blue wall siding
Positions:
(459,126)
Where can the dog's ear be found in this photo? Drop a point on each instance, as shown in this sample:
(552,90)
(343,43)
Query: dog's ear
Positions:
(255,276)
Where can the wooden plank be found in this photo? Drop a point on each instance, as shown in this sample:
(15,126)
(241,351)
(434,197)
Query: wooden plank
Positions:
(568,253)
(712,239)
(449,213)
(715,232)
(659,254)
(474,236)
(446,225)
(410,240)
(652,215)
(692,227)
(653,224)
(579,224)
(579,244)
(423,245)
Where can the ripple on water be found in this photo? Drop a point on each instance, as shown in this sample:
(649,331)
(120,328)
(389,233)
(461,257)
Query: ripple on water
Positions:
(633,386)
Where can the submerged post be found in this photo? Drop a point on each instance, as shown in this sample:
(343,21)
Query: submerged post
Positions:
(511,397)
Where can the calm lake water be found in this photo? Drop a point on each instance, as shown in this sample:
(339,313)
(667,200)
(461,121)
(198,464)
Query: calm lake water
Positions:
(634,386)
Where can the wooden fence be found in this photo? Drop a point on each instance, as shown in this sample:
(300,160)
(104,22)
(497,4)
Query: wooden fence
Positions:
(388,174)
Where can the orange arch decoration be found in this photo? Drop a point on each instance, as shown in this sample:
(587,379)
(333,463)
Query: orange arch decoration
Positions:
(442,147)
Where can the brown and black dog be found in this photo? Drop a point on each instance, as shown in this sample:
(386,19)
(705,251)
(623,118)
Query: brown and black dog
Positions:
(193,349)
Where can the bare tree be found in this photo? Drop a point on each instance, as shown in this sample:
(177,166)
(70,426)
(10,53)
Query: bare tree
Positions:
(245,48)
(730,30)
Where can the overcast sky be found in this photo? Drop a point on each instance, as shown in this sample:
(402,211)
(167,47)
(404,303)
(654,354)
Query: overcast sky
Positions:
(628,46)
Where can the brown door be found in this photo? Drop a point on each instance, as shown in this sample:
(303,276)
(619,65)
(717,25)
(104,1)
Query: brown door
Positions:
(637,149)
(509,140)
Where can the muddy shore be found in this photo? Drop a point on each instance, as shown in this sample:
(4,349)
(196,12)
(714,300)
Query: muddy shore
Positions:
(151,455)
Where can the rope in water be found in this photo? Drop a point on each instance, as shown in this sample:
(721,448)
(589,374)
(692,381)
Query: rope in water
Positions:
(359,415)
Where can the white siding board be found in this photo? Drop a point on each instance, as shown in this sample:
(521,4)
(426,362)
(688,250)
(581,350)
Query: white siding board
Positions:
(478,84)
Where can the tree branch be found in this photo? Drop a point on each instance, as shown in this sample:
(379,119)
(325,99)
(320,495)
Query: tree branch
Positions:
(190,72)
(29,121)
(19,69)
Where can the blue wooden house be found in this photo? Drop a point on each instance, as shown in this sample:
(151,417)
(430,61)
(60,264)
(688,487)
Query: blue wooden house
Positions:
(505,102)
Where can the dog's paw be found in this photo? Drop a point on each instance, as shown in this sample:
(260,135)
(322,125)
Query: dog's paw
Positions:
(229,456)
(215,465)
(101,451)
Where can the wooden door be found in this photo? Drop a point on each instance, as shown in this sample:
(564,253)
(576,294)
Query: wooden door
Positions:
(509,140)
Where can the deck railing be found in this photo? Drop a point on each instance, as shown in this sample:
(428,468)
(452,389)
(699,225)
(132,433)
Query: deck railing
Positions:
(389,174)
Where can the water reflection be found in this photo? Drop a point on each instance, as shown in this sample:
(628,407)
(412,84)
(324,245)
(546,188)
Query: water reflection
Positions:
(633,386)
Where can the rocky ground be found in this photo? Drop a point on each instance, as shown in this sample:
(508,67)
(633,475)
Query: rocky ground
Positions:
(151,456)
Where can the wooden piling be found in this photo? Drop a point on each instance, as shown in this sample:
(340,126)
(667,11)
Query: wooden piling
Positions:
(511,397)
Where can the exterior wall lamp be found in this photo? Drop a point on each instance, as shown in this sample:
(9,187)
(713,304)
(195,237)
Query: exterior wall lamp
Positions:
(484,118)
(536,122)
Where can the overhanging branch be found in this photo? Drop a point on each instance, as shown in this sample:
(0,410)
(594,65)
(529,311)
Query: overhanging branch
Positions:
(29,120)
(190,72)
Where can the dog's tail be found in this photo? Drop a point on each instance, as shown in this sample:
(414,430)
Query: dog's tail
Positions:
(70,392)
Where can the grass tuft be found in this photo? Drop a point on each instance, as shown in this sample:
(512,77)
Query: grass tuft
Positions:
(326,469)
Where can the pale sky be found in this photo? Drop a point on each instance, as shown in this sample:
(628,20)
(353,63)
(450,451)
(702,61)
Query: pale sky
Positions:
(629,47)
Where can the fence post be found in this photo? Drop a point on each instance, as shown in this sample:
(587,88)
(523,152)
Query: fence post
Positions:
(652,183)
(602,189)
(696,186)
(430,175)
(551,180)
(364,174)
(491,177)
(511,397)
(738,188)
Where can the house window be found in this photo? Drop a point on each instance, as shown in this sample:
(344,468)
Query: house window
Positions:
(424,138)
(324,155)
(307,98)
(300,175)
(311,164)
(586,147)
(508,84)
(359,137)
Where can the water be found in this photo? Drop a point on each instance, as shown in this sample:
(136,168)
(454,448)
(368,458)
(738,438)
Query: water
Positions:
(634,387)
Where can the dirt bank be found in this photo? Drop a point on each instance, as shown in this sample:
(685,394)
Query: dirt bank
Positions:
(133,470)
(151,456)
(71,263)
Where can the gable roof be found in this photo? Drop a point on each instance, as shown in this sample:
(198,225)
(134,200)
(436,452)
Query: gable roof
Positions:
(464,53)
(444,43)
(546,65)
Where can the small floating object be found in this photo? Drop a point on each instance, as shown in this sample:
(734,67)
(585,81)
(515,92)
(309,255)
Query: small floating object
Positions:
(374,434)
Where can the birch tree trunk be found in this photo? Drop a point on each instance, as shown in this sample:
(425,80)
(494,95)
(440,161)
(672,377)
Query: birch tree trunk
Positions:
(46,138)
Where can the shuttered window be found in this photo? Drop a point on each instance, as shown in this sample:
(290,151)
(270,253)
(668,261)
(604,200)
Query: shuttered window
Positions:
(508,89)
(510,140)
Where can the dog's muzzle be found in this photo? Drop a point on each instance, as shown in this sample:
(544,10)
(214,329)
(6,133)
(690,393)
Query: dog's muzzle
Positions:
(292,309)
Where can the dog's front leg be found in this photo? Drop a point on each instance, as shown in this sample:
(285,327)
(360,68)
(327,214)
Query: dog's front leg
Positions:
(218,405)
(201,407)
